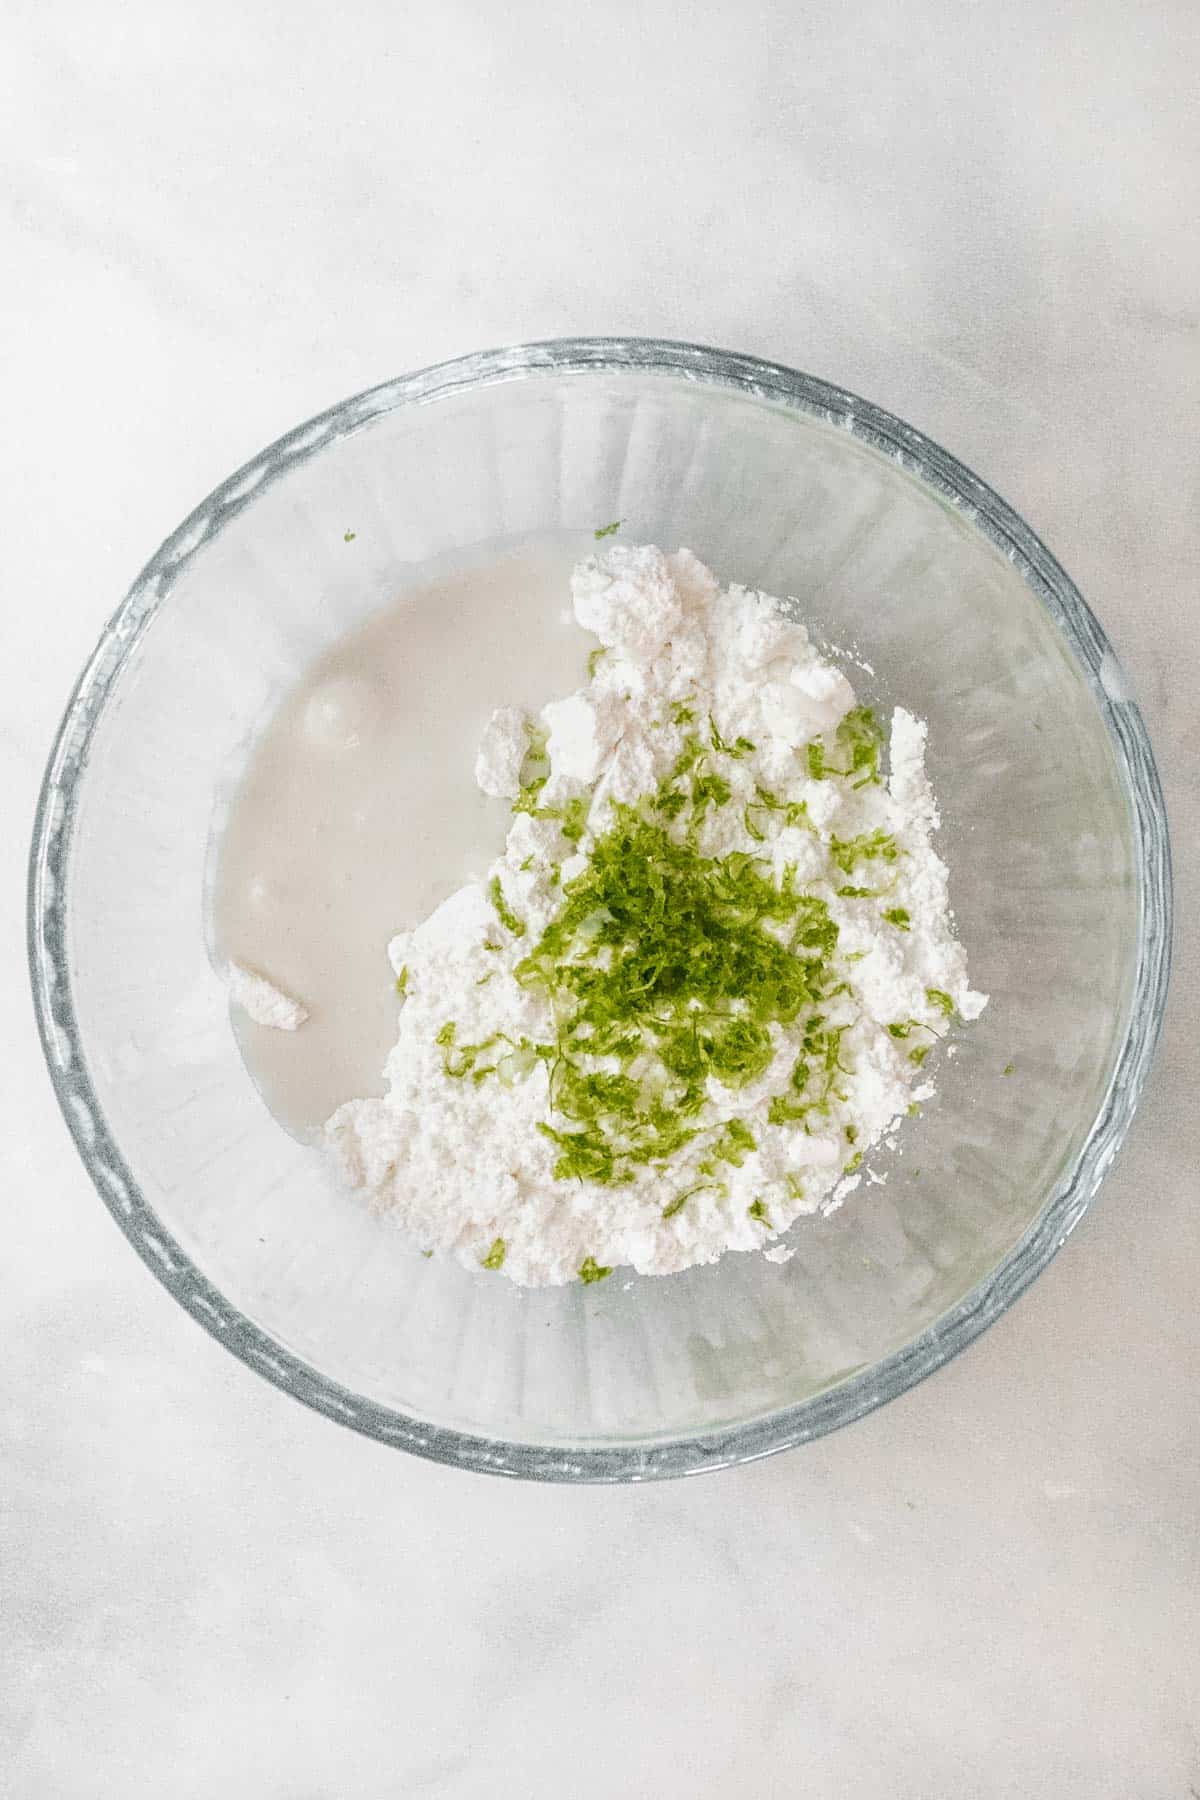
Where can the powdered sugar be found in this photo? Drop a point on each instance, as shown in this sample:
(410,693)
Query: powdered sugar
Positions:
(501,753)
(262,1001)
(459,1152)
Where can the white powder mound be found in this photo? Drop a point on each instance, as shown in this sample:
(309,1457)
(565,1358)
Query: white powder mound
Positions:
(468,1150)
(501,754)
(262,1001)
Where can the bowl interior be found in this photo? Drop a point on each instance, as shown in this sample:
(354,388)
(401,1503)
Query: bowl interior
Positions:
(1037,829)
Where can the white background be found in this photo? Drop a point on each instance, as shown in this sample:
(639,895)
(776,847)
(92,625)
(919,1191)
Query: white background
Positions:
(220,218)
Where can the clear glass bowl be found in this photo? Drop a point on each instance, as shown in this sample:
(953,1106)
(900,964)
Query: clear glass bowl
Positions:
(1054,831)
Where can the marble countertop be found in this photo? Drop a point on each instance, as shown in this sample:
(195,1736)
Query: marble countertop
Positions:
(218,220)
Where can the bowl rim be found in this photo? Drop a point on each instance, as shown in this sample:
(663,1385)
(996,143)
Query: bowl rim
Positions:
(859,1393)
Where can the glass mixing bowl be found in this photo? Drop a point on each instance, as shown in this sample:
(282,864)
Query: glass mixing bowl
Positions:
(1053,828)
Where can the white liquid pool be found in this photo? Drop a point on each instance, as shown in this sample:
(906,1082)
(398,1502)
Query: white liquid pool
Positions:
(358,811)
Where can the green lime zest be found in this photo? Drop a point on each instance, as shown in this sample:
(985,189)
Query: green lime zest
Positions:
(535,772)
(861,734)
(461,1060)
(939,998)
(814,1075)
(736,748)
(858,739)
(1009,1069)
(680,1201)
(583,1156)
(603,531)
(348,537)
(402,980)
(905,1027)
(691,784)
(917,1056)
(595,658)
(794,812)
(899,917)
(871,846)
(535,769)
(504,912)
(757,1210)
(669,966)
(734,1143)
(495,1256)
(855,1163)
(709,789)
(691,754)
(573,818)
(590,1270)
